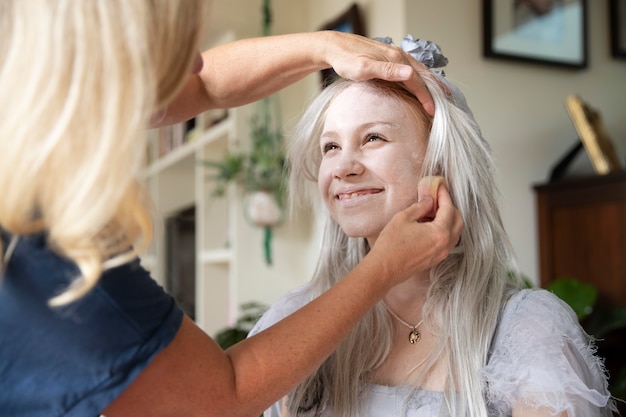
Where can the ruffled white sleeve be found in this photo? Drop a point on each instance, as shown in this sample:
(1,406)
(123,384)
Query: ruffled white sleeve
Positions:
(288,304)
(542,357)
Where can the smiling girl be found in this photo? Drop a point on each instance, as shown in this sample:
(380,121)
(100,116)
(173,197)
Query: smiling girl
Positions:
(462,338)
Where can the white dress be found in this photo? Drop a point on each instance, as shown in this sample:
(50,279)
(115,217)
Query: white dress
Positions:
(539,353)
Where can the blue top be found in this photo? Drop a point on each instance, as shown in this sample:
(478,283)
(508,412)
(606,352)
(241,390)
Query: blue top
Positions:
(75,360)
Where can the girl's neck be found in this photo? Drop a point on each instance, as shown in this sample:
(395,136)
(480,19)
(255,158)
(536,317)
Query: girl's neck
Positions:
(406,360)
(407,298)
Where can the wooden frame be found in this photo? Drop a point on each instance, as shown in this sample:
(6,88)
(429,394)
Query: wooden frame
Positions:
(552,32)
(590,129)
(617,13)
(350,21)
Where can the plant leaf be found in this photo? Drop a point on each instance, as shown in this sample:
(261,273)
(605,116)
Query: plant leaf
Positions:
(581,297)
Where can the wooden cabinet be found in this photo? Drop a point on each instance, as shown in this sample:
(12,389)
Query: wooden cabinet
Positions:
(582,233)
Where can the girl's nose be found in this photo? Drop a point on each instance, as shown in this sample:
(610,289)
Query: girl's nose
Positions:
(348,164)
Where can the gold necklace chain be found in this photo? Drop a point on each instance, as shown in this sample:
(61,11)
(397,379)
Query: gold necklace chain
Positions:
(414,335)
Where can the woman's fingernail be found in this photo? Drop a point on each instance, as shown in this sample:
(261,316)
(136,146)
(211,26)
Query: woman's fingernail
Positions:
(405,72)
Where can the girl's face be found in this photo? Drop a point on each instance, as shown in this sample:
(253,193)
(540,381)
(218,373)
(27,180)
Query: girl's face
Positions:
(372,148)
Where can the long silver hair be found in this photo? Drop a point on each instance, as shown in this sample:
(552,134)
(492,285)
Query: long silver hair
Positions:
(467,289)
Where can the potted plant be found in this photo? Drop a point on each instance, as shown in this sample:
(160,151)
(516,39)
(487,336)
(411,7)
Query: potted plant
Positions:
(261,171)
(261,174)
(251,312)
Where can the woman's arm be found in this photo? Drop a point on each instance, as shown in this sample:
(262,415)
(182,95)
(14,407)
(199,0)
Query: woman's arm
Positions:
(247,70)
(193,377)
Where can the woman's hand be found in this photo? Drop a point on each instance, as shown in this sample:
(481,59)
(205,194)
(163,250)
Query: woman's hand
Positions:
(359,58)
(414,240)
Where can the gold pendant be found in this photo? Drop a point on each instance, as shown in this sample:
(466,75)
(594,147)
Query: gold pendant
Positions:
(414,336)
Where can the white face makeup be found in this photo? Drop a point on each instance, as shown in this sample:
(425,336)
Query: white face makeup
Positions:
(372,149)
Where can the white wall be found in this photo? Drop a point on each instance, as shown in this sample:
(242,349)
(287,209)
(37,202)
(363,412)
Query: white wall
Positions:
(519,106)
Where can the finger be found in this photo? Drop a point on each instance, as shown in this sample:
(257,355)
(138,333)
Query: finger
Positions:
(419,210)
(443,196)
(445,209)
(429,185)
(448,216)
(416,85)
(371,68)
(445,212)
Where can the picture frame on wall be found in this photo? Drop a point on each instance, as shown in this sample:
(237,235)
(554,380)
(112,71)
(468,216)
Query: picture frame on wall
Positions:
(550,32)
(350,21)
(617,13)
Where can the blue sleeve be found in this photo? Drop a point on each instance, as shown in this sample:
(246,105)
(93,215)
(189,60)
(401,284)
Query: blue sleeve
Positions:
(75,360)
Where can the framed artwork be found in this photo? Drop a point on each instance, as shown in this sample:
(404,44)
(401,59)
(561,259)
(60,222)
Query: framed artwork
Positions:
(617,13)
(551,32)
(594,138)
(350,21)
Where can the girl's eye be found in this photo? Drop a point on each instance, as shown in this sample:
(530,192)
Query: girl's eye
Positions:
(330,146)
(373,137)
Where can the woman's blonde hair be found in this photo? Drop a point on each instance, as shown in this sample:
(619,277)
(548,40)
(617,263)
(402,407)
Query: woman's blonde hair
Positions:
(79,82)
(467,288)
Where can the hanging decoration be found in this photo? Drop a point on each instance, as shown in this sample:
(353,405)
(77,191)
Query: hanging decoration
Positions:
(261,169)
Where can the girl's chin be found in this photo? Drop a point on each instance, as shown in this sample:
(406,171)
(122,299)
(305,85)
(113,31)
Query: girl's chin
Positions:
(357,226)
(354,232)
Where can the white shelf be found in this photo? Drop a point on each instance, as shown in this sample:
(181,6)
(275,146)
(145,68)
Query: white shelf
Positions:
(177,181)
(216,256)
(148,260)
(212,134)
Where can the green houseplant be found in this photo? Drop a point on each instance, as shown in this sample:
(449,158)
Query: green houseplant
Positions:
(260,171)
(250,313)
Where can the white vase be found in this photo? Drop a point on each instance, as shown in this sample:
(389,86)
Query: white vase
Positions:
(262,209)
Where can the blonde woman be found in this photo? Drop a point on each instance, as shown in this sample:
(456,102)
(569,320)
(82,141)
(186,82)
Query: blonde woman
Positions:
(460,339)
(84,330)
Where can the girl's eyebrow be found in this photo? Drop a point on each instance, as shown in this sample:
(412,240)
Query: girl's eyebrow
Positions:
(331,134)
(328,134)
(380,123)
